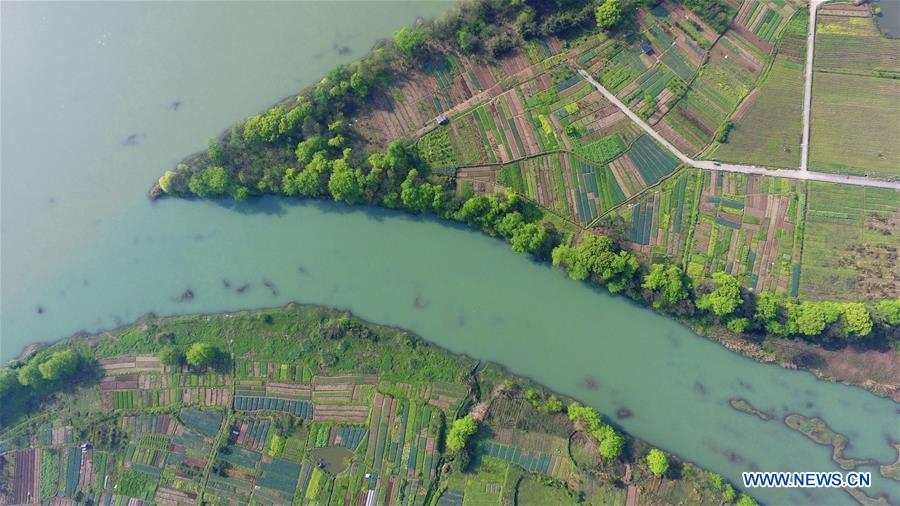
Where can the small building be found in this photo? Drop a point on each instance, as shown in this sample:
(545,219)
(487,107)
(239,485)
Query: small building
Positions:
(442,119)
(646,47)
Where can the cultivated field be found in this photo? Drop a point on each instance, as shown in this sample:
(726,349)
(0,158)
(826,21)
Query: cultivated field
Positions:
(855,125)
(768,125)
(714,221)
(327,411)
(850,244)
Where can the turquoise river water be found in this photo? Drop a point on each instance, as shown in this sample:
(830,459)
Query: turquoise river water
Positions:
(99,98)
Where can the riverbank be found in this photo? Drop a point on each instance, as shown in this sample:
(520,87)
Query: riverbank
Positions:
(873,370)
(352,162)
(273,356)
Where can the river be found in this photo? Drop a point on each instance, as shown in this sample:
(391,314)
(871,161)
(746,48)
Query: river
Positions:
(90,120)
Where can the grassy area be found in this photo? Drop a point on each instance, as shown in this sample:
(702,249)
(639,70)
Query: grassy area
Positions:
(768,127)
(855,126)
(849,243)
(854,123)
(854,44)
(770,131)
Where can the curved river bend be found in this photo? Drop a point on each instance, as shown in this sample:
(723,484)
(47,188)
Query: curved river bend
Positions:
(82,243)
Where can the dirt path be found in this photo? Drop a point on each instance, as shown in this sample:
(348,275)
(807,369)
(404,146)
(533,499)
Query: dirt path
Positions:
(744,169)
(807,85)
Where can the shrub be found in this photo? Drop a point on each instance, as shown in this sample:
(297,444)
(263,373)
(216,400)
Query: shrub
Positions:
(657,462)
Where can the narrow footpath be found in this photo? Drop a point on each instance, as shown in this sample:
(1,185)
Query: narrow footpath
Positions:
(807,85)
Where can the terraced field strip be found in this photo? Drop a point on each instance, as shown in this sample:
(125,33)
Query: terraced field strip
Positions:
(302,409)
(651,160)
(253,433)
(205,422)
(533,461)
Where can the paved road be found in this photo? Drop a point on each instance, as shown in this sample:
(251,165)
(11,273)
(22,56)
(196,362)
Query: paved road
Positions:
(807,85)
(732,167)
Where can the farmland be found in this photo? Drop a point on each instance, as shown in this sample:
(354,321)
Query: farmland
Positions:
(761,22)
(744,225)
(768,126)
(363,432)
(849,248)
(854,125)
(554,140)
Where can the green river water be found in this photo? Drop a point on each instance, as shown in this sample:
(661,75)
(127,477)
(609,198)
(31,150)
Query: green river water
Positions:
(82,244)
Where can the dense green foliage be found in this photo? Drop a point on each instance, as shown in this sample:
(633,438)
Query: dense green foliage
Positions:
(717,14)
(201,355)
(599,259)
(611,443)
(171,356)
(657,462)
(667,285)
(608,14)
(459,434)
(724,299)
(27,382)
(408,41)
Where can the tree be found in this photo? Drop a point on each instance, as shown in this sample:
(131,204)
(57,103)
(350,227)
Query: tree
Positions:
(553,405)
(292,122)
(745,500)
(463,428)
(417,198)
(738,325)
(309,147)
(611,443)
(596,258)
(337,141)
(766,307)
(360,84)
(408,40)
(239,193)
(473,210)
(468,42)
(217,179)
(728,494)
(345,183)
(657,462)
(9,382)
(263,127)
(202,354)
(510,224)
(608,14)
(309,182)
(59,365)
(810,319)
(210,182)
(165,181)
(529,238)
(726,297)
(215,151)
(171,356)
(888,311)
(857,320)
(30,376)
(724,132)
(667,284)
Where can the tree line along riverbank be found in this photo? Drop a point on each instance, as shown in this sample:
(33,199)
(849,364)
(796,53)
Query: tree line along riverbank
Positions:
(322,144)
